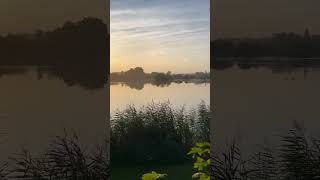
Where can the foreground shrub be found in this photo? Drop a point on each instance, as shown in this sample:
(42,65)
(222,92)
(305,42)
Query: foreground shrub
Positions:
(153,176)
(201,155)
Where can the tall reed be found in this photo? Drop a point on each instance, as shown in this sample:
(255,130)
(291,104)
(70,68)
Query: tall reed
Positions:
(297,158)
(64,158)
(157,132)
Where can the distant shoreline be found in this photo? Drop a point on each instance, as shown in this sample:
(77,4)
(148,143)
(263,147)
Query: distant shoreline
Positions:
(159,80)
(266,59)
(137,74)
(171,81)
(220,63)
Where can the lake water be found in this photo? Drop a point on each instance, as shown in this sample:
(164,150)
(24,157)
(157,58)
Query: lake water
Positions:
(178,94)
(37,104)
(254,104)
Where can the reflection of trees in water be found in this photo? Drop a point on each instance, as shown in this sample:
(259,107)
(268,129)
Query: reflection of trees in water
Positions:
(279,66)
(140,84)
(77,75)
(86,77)
(7,71)
(77,52)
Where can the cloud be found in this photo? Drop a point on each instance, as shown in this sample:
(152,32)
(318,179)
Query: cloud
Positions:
(163,33)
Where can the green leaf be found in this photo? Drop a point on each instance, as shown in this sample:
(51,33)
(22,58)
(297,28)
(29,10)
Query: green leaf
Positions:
(195,151)
(153,176)
(200,149)
(203,144)
(200,164)
(200,176)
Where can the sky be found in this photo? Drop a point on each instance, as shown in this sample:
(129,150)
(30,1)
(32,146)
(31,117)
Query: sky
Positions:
(256,18)
(25,16)
(160,35)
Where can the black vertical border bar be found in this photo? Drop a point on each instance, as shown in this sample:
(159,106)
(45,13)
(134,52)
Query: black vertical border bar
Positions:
(211,124)
(107,87)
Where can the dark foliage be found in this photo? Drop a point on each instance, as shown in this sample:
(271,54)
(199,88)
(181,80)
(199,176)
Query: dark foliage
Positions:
(279,45)
(264,165)
(77,52)
(63,159)
(299,156)
(3,170)
(296,159)
(229,165)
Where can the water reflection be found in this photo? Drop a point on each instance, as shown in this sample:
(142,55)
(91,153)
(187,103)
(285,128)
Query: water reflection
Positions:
(140,84)
(90,79)
(277,65)
(33,110)
(122,95)
(256,101)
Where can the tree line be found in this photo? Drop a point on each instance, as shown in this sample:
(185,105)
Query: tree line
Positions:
(77,52)
(278,45)
(138,74)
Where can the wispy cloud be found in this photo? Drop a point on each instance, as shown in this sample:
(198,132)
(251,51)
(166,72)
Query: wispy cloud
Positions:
(168,32)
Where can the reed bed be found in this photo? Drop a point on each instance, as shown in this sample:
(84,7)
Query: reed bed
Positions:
(64,159)
(157,133)
(296,158)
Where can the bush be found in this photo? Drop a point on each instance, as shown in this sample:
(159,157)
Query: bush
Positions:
(201,154)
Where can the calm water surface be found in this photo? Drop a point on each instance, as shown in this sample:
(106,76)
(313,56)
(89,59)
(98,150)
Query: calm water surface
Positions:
(36,107)
(255,105)
(178,94)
